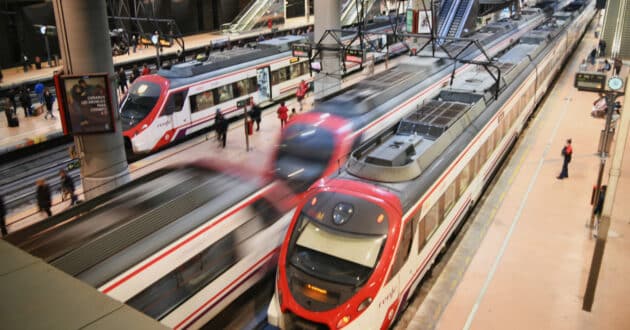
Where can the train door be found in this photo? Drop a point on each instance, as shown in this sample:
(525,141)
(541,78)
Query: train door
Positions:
(180,117)
(263,77)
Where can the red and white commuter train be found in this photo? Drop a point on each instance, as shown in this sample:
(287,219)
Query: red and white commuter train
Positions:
(362,239)
(315,144)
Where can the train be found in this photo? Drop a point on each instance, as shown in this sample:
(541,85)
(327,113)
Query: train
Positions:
(362,239)
(161,108)
(178,244)
(316,143)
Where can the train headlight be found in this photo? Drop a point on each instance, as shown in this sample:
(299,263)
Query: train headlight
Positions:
(343,322)
(364,304)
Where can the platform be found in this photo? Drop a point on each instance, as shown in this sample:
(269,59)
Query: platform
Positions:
(15,77)
(524,261)
(36,295)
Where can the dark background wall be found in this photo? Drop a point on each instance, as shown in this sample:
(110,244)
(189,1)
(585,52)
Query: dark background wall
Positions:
(17,18)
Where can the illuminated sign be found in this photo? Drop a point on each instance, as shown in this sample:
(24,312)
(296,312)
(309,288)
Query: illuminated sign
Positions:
(301,50)
(86,104)
(354,55)
(590,81)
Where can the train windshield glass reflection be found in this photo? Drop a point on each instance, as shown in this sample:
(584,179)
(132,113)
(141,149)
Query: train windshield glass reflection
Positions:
(334,256)
(303,155)
(140,101)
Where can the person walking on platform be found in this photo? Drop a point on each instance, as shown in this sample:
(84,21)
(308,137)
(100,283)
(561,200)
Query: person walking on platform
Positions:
(25,99)
(67,186)
(256,115)
(145,69)
(135,73)
(221,126)
(301,92)
(567,152)
(602,47)
(3,214)
(43,197)
(134,42)
(122,80)
(49,100)
(592,56)
(283,114)
(617,65)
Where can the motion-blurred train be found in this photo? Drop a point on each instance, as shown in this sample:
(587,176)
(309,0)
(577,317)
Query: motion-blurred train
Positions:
(174,103)
(362,239)
(179,244)
(316,143)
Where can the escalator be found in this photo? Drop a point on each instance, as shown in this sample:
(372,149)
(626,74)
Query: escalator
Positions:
(257,14)
(444,15)
(460,18)
(349,10)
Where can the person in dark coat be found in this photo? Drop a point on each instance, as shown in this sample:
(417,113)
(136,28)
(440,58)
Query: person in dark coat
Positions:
(592,56)
(67,186)
(25,99)
(221,126)
(567,152)
(3,214)
(602,47)
(256,115)
(135,73)
(122,80)
(43,197)
(49,100)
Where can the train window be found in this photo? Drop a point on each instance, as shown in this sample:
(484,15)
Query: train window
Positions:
(186,280)
(175,103)
(225,93)
(449,197)
(280,75)
(402,254)
(422,235)
(464,179)
(431,220)
(296,70)
(202,101)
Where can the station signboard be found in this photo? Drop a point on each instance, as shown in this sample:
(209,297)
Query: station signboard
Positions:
(85,103)
(590,81)
(301,50)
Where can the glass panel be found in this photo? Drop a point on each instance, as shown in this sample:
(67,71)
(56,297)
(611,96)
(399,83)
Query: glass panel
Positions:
(225,93)
(202,101)
(402,253)
(431,220)
(450,196)
(422,235)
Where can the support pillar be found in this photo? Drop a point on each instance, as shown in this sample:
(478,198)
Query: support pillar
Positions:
(85,47)
(328,16)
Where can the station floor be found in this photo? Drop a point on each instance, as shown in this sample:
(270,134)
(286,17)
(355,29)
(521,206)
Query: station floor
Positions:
(525,259)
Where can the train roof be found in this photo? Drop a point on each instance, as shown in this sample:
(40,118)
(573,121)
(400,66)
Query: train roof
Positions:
(238,56)
(424,140)
(380,88)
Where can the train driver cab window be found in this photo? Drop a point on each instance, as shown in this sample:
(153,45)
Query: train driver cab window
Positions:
(225,93)
(402,254)
(175,103)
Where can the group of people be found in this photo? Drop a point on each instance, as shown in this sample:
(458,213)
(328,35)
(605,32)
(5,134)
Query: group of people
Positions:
(605,66)
(123,81)
(44,199)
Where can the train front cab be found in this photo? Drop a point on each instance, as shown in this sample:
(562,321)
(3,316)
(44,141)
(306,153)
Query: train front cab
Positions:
(333,263)
(312,146)
(140,115)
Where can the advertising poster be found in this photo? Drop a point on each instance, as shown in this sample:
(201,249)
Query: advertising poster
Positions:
(87,104)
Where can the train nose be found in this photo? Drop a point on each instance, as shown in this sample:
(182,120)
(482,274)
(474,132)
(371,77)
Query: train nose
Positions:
(299,176)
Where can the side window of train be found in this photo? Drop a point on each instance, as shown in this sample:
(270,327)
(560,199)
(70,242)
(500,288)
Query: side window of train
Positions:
(175,103)
(202,101)
(267,211)
(225,93)
(431,220)
(449,198)
(402,254)
(422,233)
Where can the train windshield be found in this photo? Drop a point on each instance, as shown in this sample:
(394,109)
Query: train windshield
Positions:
(335,256)
(141,99)
(303,155)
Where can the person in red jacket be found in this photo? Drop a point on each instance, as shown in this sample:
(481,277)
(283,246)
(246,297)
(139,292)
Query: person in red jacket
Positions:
(145,70)
(301,92)
(283,114)
(567,152)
